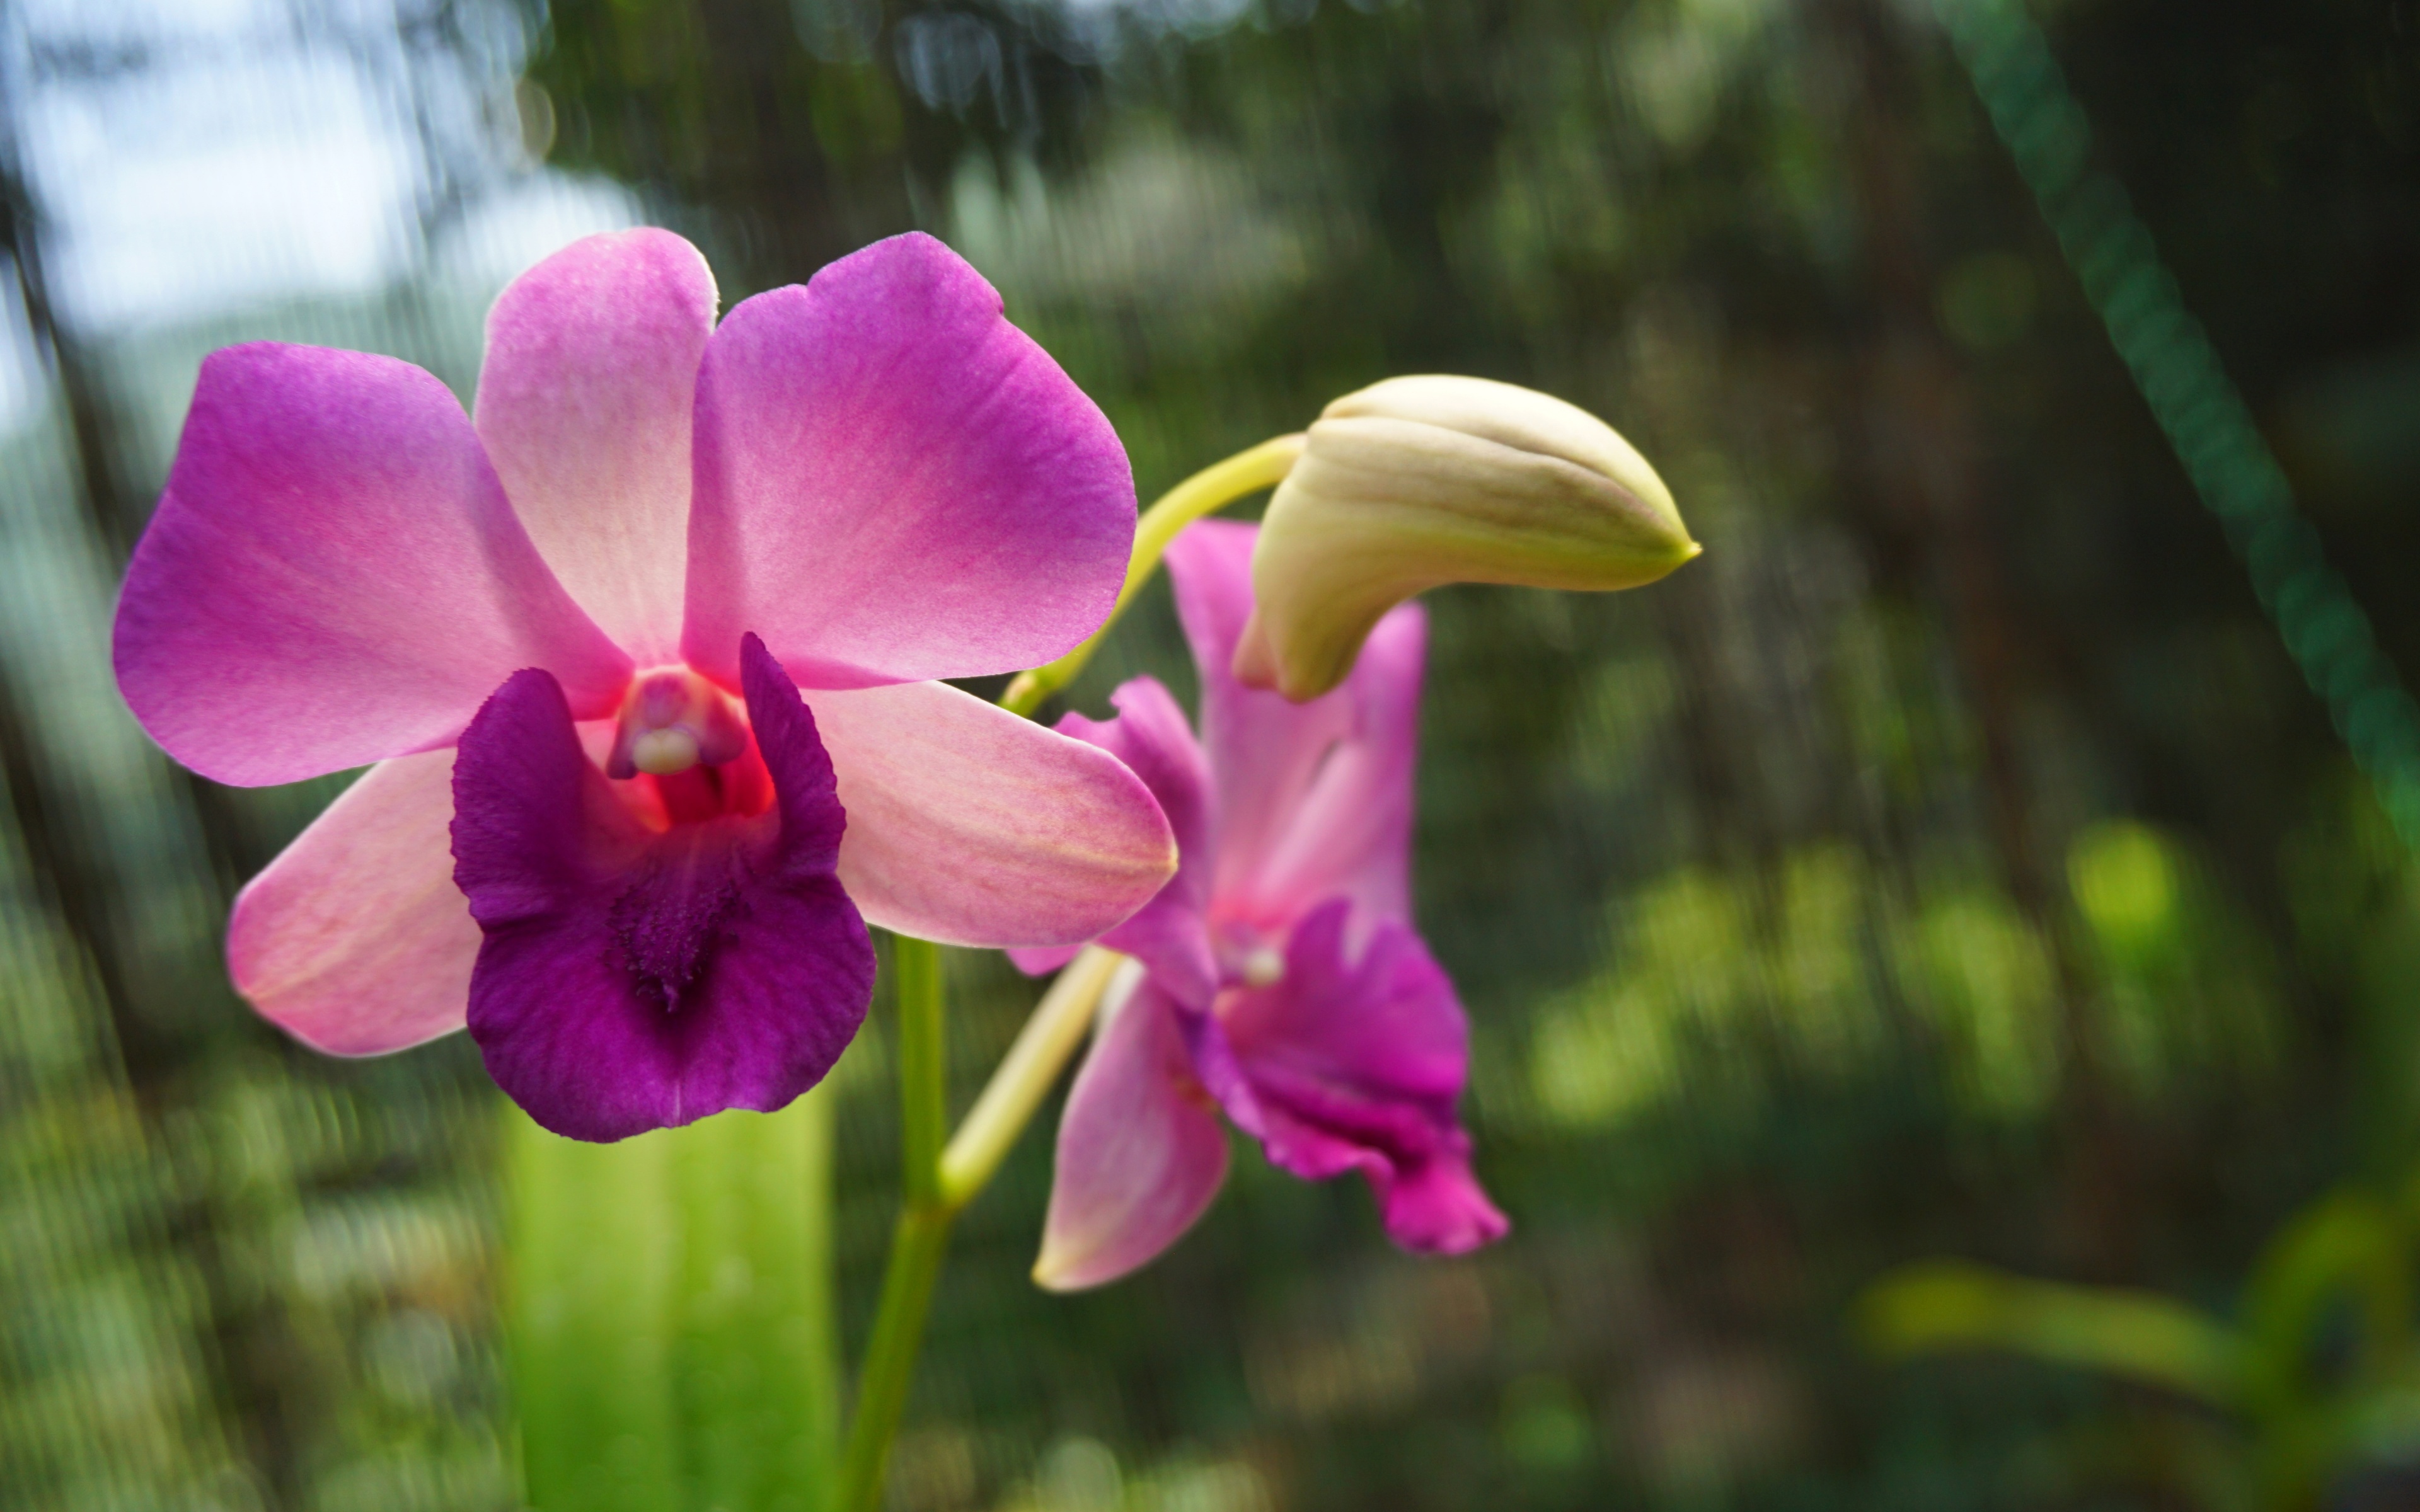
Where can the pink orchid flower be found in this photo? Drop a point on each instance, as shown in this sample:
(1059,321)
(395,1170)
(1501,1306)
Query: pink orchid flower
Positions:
(534,622)
(1283,982)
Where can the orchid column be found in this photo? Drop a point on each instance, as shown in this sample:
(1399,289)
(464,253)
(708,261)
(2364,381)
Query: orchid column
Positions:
(602,829)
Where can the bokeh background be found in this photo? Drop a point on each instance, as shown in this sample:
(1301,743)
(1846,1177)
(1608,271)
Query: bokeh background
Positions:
(1952,863)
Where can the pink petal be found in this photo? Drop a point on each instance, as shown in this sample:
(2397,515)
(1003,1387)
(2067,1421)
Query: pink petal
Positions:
(1140,1153)
(1042,960)
(584,406)
(969,826)
(1356,1064)
(1315,799)
(894,483)
(334,576)
(630,980)
(355,940)
(1170,933)
(1352,831)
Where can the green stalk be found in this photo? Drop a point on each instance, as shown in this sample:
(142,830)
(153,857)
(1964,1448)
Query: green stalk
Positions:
(923,1067)
(942,1180)
(1207,492)
(1055,1027)
(922,1235)
(938,1181)
(916,1245)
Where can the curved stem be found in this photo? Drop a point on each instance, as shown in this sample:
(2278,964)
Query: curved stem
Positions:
(1050,1037)
(1211,489)
(940,1181)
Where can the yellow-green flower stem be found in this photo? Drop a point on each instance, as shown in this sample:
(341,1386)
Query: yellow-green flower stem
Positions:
(1045,1044)
(1206,492)
(941,1179)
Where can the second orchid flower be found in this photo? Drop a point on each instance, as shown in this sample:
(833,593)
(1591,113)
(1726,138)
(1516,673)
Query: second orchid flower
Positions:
(1283,980)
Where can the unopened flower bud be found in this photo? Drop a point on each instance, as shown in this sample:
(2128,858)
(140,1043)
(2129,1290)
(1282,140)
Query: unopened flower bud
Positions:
(1417,482)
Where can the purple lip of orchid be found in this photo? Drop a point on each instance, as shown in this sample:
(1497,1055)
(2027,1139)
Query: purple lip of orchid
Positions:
(607,590)
(665,947)
(1283,980)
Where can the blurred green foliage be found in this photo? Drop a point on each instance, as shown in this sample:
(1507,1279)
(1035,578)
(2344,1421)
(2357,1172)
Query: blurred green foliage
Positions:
(2316,1381)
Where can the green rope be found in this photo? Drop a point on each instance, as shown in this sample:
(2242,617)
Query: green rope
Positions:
(2197,406)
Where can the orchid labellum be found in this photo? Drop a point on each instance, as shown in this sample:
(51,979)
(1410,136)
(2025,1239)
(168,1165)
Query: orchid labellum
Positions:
(568,637)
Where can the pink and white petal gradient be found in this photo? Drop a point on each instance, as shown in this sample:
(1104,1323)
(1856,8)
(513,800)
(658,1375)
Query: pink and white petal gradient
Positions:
(1352,831)
(1263,751)
(1313,799)
(355,940)
(969,826)
(877,471)
(333,576)
(893,484)
(583,406)
(1170,933)
(1140,1152)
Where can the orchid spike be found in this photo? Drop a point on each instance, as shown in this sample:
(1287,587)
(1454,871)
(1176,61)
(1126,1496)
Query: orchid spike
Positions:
(1418,481)
(571,635)
(1281,978)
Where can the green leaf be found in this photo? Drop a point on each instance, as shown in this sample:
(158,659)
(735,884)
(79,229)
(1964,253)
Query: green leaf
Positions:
(669,1314)
(1938,1307)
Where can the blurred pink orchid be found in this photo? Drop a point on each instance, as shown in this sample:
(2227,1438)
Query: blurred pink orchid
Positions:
(1283,980)
(875,474)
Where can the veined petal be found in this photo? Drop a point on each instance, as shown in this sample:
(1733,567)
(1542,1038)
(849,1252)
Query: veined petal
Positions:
(355,940)
(585,404)
(1352,829)
(334,576)
(1354,1063)
(969,826)
(894,483)
(1140,1153)
(1313,798)
(631,981)
(1170,933)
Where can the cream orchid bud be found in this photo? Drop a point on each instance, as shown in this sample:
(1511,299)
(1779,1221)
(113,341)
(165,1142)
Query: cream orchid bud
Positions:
(1418,481)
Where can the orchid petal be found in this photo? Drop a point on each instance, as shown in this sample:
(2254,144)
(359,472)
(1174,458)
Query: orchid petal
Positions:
(585,404)
(1042,960)
(1140,1153)
(1313,798)
(333,576)
(1356,1064)
(355,940)
(893,484)
(969,826)
(630,982)
(1352,828)
(1170,933)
